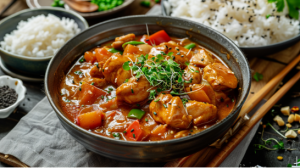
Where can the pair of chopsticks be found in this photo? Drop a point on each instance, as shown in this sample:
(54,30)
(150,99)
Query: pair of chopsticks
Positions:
(249,105)
(7,7)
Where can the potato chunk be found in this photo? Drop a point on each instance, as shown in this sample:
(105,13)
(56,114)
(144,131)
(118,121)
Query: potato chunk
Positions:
(202,112)
(279,120)
(220,77)
(289,125)
(297,117)
(291,118)
(202,58)
(285,110)
(170,110)
(202,93)
(291,134)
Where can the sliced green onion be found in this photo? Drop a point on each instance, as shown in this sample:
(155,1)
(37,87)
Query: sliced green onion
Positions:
(190,46)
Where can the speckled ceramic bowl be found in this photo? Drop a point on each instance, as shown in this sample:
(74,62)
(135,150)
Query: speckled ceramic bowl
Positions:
(31,66)
(155,150)
(17,85)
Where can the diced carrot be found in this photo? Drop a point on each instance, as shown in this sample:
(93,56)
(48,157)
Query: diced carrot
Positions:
(131,49)
(89,94)
(89,57)
(90,120)
(134,131)
(102,54)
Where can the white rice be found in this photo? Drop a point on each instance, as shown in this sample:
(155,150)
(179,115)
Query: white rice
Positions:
(243,21)
(40,36)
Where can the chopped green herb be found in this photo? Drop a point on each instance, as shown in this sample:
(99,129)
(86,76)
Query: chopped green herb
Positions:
(92,83)
(82,105)
(257,76)
(156,100)
(132,130)
(79,88)
(165,106)
(154,113)
(170,54)
(78,72)
(126,80)
(132,91)
(267,16)
(184,101)
(111,89)
(133,135)
(146,119)
(126,66)
(124,132)
(146,3)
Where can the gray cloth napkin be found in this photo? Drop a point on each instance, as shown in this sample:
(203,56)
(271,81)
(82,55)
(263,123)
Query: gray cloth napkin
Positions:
(39,140)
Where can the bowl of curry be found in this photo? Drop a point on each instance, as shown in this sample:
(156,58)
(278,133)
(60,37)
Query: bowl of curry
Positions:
(145,88)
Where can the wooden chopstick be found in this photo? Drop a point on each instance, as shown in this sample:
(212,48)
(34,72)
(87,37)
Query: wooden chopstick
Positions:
(251,103)
(226,150)
(248,106)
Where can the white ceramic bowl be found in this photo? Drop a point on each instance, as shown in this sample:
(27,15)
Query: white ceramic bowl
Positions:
(17,85)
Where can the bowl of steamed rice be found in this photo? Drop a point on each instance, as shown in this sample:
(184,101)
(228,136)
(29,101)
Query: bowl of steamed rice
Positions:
(31,37)
(258,27)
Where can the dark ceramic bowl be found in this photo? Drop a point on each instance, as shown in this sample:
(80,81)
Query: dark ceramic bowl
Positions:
(256,51)
(32,66)
(146,151)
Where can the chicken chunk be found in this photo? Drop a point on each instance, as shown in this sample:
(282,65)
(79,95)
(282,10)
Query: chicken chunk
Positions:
(192,75)
(170,110)
(202,92)
(99,83)
(180,54)
(134,90)
(113,69)
(202,58)
(220,77)
(119,41)
(96,72)
(202,112)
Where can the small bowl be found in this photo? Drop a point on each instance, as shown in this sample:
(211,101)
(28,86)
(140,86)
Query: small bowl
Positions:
(32,66)
(18,86)
(258,51)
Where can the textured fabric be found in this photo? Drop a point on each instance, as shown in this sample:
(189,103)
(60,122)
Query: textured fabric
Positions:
(40,140)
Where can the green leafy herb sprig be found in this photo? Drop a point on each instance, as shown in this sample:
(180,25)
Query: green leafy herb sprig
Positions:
(257,76)
(293,5)
(162,73)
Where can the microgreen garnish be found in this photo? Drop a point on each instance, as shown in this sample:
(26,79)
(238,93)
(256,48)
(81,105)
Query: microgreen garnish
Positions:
(78,72)
(184,101)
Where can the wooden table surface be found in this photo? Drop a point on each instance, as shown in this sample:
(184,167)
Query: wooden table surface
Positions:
(269,66)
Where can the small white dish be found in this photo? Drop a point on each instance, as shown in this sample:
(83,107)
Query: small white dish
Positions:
(18,86)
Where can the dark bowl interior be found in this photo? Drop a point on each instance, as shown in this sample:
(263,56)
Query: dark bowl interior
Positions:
(146,151)
(257,51)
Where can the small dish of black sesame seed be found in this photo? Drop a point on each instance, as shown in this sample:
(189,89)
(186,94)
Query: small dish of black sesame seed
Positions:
(12,93)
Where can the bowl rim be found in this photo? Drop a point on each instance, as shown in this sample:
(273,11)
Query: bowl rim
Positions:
(21,93)
(61,116)
(39,9)
(270,46)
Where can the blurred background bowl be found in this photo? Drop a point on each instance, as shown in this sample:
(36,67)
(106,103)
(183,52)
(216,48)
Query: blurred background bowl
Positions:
(32,4)
(253,51)
(32,66)
(154,150)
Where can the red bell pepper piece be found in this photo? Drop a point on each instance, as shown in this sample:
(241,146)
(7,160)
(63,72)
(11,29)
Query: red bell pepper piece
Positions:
(158,37)
(134,131)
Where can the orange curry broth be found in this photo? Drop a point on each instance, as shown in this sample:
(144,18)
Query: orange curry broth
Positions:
(116,121)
